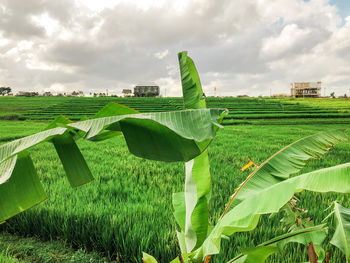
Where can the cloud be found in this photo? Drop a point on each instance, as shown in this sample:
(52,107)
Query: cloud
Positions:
(161,55)
(240,47)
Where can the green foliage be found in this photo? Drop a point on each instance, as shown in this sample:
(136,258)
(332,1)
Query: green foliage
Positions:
(168,136)
(261,252)
(191,85)
(246,110)
(269,182)
(341,237)
(190,129)
(126,209)
(5,90)
(245,216)
(148,258)
(34,250)
(287,161)
(193,217)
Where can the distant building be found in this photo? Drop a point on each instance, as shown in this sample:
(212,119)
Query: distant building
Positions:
(306,89)
(27,93)
(76,94)
(127,92)
(243,96)
(146,90)
(47,94)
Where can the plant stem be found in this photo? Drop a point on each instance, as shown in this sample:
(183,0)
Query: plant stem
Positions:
(207,259)
(251,175)
(326,259)
(311,253)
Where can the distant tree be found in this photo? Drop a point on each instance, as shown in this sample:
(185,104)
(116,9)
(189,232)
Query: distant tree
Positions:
(150,93)
(5,91)
(333,95)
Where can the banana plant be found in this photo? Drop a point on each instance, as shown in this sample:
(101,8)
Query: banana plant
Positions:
(265,191)
(163,136)
(260,253)
(180,136)
(341,237)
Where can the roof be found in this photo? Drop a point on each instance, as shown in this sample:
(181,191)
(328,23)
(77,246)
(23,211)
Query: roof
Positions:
(147,84)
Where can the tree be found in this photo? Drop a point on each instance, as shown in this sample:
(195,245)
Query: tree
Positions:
(5,91)
(150,93)
(333,95)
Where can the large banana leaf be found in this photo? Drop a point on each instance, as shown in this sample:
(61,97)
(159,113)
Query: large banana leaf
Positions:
(197,194)
(261,252)
(74,164)
(112,109)
(191,207)
(245,216)
(163,136)
(23,190)
(341,237)
(169,136)
(287,161)
(191,85)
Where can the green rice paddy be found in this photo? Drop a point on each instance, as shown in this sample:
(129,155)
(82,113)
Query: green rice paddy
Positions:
(47,108)
(127,209)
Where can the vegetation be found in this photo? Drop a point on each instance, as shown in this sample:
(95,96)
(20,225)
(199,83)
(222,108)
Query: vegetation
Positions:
(97,225)
(247,110)
(266,190)
(5,91)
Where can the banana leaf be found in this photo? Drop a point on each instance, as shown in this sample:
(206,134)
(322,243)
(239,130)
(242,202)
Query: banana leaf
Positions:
(163,136)
(191,206)
(261,252)
(191,85)
(245,216)
(169,136)
(341,237)
(287,161)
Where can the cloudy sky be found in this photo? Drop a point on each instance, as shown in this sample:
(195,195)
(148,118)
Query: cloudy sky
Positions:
(249,47)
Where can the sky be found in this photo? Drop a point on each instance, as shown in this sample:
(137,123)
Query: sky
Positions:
(253,47)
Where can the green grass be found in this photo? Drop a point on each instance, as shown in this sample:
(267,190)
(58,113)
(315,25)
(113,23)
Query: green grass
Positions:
(33,250)
(248,109)
(127,209)
(11,130)
(4,258)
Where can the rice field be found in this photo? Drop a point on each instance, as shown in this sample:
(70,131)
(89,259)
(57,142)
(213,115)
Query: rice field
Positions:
(240,109)
(127,208)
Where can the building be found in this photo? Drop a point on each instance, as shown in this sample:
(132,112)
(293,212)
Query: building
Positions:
(27,93)
(47,94)
(127,92)
(306,89)
(146,90)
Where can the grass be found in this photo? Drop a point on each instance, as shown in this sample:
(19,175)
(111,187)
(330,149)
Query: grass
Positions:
(127,209)
(4,258)
(33,250)
(247,109)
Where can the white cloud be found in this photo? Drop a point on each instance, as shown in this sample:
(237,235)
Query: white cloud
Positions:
(291,37)
(241,47)
(48,23)
(161,55)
